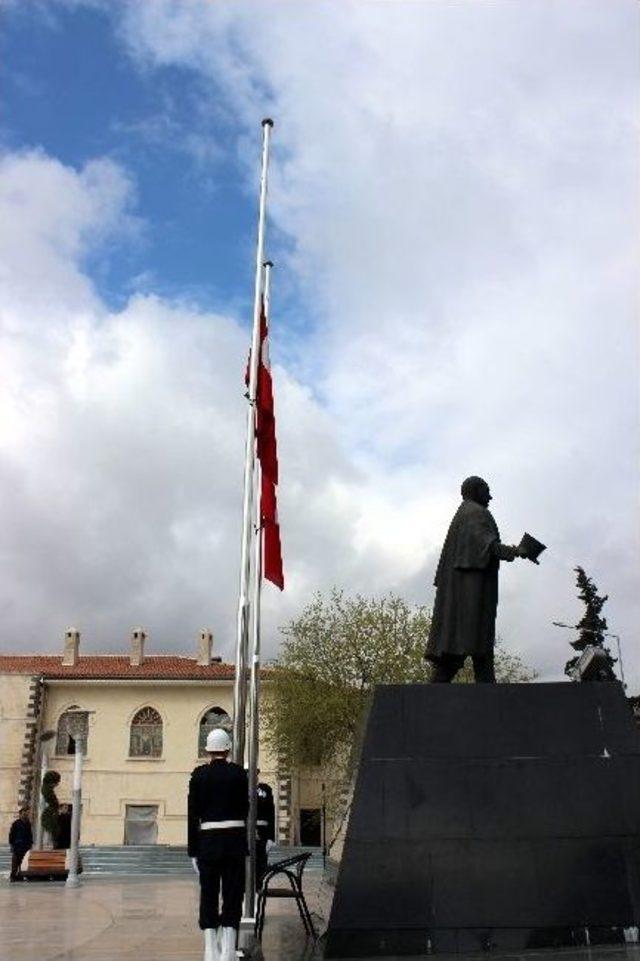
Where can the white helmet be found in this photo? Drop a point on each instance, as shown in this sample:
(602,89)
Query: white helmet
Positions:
(217,741)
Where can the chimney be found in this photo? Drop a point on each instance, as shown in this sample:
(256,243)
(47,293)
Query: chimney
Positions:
(205,642)
(138,637)
(71,647)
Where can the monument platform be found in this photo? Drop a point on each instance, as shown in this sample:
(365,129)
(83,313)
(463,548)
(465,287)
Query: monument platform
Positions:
(491,817)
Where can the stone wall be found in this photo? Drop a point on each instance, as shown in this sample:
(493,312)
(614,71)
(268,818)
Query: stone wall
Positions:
(16,723)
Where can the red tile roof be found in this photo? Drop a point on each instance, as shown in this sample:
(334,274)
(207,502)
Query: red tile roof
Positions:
(154,667)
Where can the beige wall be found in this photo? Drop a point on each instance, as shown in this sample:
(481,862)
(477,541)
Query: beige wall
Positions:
(14,694)
(111,779)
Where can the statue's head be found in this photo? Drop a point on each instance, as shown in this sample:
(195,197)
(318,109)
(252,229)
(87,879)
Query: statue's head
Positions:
(476,489)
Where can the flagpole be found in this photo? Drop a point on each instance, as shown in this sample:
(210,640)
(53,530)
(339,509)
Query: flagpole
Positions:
(254,681)
(242,635)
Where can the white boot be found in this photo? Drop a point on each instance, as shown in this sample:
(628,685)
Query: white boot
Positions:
(211,948)
(228,944)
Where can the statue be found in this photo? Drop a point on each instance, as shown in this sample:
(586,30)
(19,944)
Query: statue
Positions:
(50,817)
(466,581)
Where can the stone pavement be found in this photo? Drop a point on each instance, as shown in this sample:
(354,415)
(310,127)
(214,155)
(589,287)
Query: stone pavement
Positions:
(129,919)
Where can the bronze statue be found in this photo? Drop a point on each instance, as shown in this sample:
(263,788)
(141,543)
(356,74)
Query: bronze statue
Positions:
(464,613)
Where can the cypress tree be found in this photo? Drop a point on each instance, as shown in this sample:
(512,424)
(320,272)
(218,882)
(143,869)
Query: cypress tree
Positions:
(592,626)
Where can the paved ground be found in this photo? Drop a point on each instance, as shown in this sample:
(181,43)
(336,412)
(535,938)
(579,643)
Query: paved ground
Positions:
(125,919)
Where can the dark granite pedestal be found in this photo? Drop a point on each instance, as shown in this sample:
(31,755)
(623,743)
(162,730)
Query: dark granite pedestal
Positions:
(497,818)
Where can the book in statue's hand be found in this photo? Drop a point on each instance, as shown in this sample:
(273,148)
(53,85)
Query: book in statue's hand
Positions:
(531,548)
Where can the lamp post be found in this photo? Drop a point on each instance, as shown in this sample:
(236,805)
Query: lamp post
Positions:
(78,722)
(588,630)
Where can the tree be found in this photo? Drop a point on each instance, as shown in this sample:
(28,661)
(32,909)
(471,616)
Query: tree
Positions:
(332,656)
(592,627)
(50,817)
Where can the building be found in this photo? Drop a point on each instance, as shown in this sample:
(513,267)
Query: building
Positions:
(146,721)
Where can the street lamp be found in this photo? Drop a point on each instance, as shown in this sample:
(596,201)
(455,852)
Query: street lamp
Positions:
(78,722)
(589,630)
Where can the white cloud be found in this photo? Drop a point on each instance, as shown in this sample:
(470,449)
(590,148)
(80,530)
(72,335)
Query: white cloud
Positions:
(51,216)
(457,184)
(122,441)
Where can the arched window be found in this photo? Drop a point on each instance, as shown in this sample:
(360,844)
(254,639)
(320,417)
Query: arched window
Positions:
(146,734)
(214,717)
(73,726)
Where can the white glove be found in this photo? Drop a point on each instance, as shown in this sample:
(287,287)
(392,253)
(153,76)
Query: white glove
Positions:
(269,845)
(194,862)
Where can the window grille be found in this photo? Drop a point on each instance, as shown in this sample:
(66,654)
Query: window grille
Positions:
(70,720)
(214,717)
(146,734)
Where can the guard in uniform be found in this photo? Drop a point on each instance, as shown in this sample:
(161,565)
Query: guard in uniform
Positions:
(265,829)
(217,829)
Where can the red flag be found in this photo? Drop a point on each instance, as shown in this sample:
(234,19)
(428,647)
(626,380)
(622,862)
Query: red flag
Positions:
(271,530)
(265,416)
(268,456)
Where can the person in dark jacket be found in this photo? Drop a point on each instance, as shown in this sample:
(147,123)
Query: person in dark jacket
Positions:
(265,828)
(63,838)
(217,843)
(20,841)
(464,613)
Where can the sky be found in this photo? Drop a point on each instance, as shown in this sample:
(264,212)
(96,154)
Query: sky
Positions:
(453,220)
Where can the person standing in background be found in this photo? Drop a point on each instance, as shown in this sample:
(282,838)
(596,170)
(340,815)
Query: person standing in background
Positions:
(20,841)
(265,829)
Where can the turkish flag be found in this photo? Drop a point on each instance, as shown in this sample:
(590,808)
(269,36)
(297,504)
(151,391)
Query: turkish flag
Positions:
(268,456)
(271,531)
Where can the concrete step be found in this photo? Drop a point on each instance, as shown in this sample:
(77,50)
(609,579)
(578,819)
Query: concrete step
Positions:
(154,859)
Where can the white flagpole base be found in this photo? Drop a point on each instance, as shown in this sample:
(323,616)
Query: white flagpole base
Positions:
(248,944)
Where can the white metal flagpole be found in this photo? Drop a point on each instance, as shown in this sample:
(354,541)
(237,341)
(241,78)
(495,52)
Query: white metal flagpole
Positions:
(242,637)
(254,677)
(76,800)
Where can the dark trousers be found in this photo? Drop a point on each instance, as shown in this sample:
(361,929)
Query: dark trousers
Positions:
(17,855)
(448,665)
(221,864)
(262,861)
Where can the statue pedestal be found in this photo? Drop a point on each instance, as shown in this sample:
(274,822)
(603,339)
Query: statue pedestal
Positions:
(488,817)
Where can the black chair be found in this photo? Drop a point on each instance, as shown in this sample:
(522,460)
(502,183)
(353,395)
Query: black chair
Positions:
(292,869)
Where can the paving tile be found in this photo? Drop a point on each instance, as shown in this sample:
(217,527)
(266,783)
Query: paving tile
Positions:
(127,919)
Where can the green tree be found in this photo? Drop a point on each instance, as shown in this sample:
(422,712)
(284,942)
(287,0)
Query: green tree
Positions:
(332,656)
(592,626)
(50,818)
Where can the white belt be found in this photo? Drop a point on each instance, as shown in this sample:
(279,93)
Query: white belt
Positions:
(262,824)
(214,825)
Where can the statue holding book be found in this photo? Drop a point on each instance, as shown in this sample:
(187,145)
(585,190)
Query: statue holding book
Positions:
(464,614)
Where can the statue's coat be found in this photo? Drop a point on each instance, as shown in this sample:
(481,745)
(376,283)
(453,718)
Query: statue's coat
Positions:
(464,613)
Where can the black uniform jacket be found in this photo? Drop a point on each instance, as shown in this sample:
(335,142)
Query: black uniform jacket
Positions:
(266,811)
(218,791)
(20,836)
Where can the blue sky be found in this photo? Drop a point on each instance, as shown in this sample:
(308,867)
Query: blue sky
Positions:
(453,214)
(70,88)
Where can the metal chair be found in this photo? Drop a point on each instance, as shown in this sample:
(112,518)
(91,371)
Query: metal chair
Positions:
(292,869)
